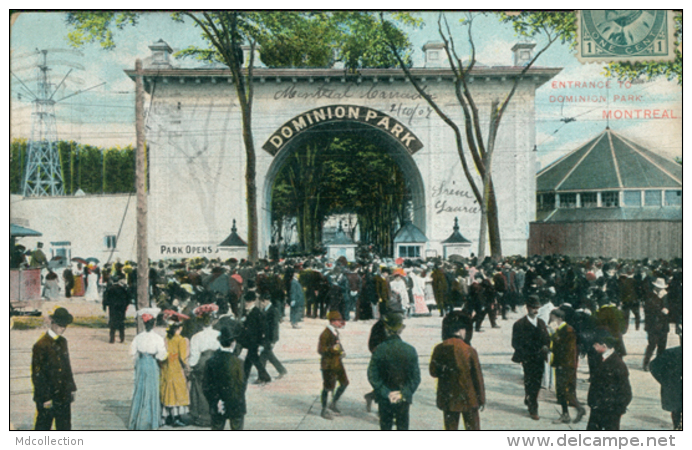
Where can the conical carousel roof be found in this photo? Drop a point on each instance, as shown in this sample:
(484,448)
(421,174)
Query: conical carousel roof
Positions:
(609,161)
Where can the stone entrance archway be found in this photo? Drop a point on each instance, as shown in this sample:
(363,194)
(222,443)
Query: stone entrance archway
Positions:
(384,131)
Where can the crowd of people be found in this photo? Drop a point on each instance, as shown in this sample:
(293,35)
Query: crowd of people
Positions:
(213,310)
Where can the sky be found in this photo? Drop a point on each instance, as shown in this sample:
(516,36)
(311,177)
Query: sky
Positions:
(103,113)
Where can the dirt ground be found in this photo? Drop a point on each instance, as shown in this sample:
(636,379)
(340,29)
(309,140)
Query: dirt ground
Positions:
(104,376)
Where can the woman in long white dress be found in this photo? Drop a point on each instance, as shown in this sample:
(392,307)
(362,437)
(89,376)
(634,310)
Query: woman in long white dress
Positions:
(418,291)
(51,287)
(92,290)
(428,290)
(148,349)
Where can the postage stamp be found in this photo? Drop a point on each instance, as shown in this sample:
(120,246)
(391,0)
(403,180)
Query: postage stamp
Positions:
(615,35)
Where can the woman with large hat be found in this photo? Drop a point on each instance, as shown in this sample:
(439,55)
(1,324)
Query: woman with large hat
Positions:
(147,348)
(174,395)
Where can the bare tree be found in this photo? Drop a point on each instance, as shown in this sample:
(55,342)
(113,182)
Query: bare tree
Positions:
(480,148)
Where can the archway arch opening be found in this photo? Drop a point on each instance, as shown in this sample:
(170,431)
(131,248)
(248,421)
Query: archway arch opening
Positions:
(359,152)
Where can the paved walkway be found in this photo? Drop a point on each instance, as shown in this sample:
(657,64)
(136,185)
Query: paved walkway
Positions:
(104,375)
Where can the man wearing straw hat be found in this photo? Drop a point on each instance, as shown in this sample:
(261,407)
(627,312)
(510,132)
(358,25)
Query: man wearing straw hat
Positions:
(656,322)
(51,374)
(394,374)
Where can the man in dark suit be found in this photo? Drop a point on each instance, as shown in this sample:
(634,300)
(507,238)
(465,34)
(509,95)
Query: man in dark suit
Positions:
(460,389)
(51,374)
(629,300)
(610,391)
(565,354)
(332,353)
(378,334)
(394,374)
(253,338)
(68,278)
(270,336)
(116,299)
(530,340)
(224,383)
(610,319)
(312,282)
(667,370)
(656,321)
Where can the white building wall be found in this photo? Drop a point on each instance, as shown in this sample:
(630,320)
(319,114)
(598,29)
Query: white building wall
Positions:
(83,221)
(197,163)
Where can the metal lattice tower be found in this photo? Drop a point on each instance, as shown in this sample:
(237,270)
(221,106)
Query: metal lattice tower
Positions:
(43,173)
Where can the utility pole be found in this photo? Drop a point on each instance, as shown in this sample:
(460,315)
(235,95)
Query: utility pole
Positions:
(140,175)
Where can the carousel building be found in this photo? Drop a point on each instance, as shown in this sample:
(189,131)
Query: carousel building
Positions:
(610,196)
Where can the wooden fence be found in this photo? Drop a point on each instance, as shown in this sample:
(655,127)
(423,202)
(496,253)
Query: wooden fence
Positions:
(612,239)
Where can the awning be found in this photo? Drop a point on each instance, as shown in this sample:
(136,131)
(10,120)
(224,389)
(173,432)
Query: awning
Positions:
(20,231)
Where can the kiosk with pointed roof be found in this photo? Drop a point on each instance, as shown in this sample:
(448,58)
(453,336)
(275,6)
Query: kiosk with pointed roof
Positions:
(341,245)
(409,241)
(233,245)
(456,243)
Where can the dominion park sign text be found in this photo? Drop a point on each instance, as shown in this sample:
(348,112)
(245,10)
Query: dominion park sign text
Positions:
(335,113)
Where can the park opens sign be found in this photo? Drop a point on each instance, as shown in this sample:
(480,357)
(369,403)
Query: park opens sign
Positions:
(340,113)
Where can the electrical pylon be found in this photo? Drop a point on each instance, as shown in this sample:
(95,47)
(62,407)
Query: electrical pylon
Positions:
(43,173)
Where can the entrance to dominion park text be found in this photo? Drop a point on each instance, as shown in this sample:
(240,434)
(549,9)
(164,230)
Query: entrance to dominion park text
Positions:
(345,161)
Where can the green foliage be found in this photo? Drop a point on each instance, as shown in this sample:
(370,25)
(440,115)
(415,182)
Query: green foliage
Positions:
(531,23)
(90,27)
(17,163)
(292,39)
(363,39)
(286,38)
(563,24)
(92,169)
(649,70)
(342,174)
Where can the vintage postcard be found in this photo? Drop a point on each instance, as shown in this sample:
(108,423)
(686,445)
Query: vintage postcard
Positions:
(346,221)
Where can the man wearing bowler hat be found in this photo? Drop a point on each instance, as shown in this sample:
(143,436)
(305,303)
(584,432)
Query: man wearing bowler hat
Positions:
(51,374)
(332,353)
(394,374)
(530,340)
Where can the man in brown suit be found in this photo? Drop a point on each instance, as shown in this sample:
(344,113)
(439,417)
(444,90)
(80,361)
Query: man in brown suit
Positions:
(332,353)
(440,288)
(51,374)
(564,347)
(460,389)
(383,290)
